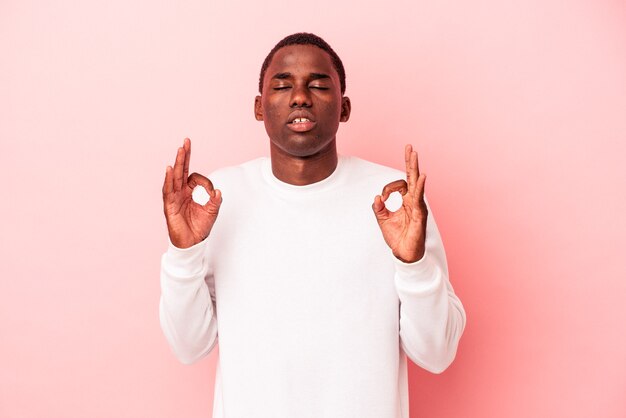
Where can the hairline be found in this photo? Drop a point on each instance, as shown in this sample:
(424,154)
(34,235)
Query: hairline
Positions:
(311,39)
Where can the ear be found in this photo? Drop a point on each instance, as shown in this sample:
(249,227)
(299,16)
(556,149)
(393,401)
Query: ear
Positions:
(258,108)
(346,108)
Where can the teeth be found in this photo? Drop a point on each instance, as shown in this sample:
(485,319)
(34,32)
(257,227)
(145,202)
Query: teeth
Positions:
(300,120)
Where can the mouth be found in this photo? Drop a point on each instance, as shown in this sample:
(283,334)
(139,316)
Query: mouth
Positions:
(301,121)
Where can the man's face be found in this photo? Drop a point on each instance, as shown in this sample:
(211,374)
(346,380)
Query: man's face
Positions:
(301,104)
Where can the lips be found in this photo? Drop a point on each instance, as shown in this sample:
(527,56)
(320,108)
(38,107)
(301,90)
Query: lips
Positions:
(301,121)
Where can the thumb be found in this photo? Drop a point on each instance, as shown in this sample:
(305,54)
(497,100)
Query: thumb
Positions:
(214,202)
(379,208)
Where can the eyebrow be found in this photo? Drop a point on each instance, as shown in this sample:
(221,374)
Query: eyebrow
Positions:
(314,76)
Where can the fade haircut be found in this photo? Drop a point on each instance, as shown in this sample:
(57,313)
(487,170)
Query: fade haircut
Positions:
(304,38)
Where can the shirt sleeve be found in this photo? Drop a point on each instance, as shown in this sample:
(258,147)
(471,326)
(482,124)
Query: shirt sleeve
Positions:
(432,317)
(187,308)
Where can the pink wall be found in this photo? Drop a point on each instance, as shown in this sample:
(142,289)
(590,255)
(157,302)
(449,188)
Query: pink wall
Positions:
(519,114)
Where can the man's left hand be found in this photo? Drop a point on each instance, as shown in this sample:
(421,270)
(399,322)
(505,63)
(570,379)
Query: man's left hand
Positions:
(405,229)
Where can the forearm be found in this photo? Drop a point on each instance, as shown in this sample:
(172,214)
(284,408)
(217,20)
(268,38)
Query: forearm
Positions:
(432,317)
(186,309)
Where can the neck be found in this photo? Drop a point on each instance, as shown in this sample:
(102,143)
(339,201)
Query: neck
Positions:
(301,171)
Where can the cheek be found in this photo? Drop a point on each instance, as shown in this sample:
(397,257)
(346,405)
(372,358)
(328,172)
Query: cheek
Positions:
(334,106)
(271,108)
(271,115)
(333,113)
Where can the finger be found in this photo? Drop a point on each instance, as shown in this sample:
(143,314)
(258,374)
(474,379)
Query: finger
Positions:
(419,190)
(421,187)
(178,169)
(394,186)
(379,208)
(187,148)
(416,165)
(168,186)
(414,171)
(196,179)
(408,152)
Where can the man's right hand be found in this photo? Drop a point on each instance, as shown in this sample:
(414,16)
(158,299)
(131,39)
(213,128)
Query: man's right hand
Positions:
(188,222)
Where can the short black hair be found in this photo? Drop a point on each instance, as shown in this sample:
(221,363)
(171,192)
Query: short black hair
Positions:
(303,38)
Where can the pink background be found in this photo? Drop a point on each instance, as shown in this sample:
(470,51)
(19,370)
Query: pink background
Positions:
(518,112)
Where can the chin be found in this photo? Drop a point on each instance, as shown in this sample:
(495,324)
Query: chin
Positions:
(305,147)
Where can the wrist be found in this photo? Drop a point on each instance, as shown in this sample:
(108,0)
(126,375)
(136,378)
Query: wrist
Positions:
(184,242)
(410,258)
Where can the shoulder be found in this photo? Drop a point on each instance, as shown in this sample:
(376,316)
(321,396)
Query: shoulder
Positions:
(237,173)
(363,170)
(368,178)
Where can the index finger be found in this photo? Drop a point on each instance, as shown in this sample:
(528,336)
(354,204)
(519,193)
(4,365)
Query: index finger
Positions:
(395,186)
(196,179)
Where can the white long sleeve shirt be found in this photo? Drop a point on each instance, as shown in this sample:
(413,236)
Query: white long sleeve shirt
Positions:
(315,317)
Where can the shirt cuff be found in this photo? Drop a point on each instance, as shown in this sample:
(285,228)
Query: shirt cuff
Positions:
(184,261)
(422,276)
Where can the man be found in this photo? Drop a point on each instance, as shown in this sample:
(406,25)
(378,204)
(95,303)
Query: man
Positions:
(316,300)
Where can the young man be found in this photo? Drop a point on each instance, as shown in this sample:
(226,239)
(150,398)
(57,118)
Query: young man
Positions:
(316,290)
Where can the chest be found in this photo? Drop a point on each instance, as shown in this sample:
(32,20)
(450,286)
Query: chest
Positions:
(320,259)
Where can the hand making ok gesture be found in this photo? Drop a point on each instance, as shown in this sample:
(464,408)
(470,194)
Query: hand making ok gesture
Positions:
(405,229)
(188,222)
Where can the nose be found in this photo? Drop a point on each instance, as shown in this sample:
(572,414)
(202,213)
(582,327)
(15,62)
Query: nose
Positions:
(300,96)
